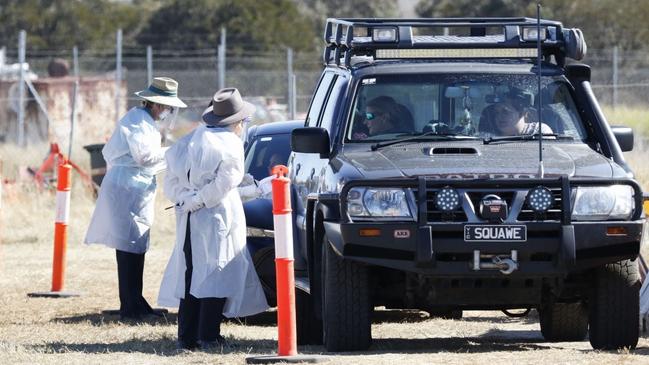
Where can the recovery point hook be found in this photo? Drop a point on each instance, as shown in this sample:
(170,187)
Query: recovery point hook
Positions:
(505,265)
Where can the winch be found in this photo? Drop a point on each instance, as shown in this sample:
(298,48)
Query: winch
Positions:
(505,264)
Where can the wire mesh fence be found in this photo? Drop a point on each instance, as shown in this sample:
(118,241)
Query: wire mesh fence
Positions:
(265,74)
(618,77)
(261,77)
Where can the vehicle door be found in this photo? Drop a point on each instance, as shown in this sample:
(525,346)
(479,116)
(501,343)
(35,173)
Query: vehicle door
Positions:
(332,121)
(302,166)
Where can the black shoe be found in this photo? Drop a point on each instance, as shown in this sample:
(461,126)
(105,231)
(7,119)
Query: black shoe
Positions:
(130,318)
(219,344)
(158,312)
(187,345)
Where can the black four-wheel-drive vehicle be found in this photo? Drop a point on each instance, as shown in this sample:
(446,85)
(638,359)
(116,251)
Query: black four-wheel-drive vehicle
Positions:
(446,164)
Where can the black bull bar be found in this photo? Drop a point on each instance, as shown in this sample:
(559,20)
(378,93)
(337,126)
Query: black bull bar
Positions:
(424,255)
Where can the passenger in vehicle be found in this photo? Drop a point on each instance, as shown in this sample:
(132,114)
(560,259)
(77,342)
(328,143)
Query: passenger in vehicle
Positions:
(509,118)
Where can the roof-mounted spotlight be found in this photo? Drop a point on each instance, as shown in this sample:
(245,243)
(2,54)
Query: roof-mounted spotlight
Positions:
(447,199)
(531,34)
(384,34)
(540,199)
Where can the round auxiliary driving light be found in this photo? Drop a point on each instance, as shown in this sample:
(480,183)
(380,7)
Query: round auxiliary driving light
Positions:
(447,199)
(540,199)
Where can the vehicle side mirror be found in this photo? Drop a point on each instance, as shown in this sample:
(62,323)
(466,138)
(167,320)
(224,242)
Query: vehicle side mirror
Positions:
(624,137)
(310,140)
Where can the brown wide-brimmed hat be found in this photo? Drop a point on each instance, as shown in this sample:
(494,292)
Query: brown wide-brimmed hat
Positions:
(163,90)
(227,107)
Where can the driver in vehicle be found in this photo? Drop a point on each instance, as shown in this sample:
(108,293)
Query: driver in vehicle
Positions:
(383,115)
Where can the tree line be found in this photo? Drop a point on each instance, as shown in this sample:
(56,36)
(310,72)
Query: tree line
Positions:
(260,26)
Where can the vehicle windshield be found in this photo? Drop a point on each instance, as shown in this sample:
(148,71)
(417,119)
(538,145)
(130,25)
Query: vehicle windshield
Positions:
(265,152)
(388,107)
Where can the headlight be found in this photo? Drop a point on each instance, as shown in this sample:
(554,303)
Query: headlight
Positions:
(603,203)
(379,202)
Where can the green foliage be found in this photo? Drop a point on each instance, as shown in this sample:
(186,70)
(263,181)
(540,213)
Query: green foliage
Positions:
(264,25)
(472,8)
(60,24)
(251,25)
(319,10)
(322,9)
(605,23)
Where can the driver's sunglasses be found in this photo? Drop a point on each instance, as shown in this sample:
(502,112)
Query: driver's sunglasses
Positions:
(370,116)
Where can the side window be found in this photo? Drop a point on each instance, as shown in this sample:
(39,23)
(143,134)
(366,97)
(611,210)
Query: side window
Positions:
(332,101)
(319,99)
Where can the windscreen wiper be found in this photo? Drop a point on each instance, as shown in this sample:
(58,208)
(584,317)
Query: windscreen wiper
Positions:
(427,135)
(526,137)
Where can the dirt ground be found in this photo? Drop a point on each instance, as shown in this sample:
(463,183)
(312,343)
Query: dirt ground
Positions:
(75,331)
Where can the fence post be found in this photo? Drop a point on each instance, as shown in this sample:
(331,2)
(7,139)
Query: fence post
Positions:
(22,40)
(149,64)
(118,72)
(294,96)
(615,76)
(221,58)
(75,91)
(290,101)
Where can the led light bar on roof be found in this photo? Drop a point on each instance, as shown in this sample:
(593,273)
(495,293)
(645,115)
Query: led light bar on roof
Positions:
(457,53)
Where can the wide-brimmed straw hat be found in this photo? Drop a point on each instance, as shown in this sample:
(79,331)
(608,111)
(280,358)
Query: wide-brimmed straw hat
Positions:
(227,107)
(163,90)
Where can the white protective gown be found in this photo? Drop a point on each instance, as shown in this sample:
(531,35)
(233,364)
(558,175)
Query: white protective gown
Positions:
(124,211)
(222,265)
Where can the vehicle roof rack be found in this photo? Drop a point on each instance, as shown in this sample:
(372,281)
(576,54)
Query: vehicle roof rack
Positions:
(440,38)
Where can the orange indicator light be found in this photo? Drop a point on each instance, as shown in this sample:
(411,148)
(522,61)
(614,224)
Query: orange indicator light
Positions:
(616,231)
(369,232)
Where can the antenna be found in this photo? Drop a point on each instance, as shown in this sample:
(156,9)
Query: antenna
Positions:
(538,60)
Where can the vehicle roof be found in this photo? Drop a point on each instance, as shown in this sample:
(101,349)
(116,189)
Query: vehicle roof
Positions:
(451,66)
(282,127)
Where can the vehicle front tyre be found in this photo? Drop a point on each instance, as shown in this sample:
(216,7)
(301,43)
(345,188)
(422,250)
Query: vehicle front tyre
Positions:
(347,324)
(615,306)
(564,322)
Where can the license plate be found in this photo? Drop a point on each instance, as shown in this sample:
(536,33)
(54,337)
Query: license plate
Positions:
(495,232)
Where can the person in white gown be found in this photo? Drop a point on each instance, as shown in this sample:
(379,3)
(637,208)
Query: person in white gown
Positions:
(210,273)
(124,212)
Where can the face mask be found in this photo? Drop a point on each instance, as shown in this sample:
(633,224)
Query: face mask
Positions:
(164,114)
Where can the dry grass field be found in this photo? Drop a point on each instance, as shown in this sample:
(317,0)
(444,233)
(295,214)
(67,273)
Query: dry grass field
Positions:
(75,331)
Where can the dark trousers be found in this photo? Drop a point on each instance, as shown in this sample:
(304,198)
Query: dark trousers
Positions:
(198,318)
(130,267)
